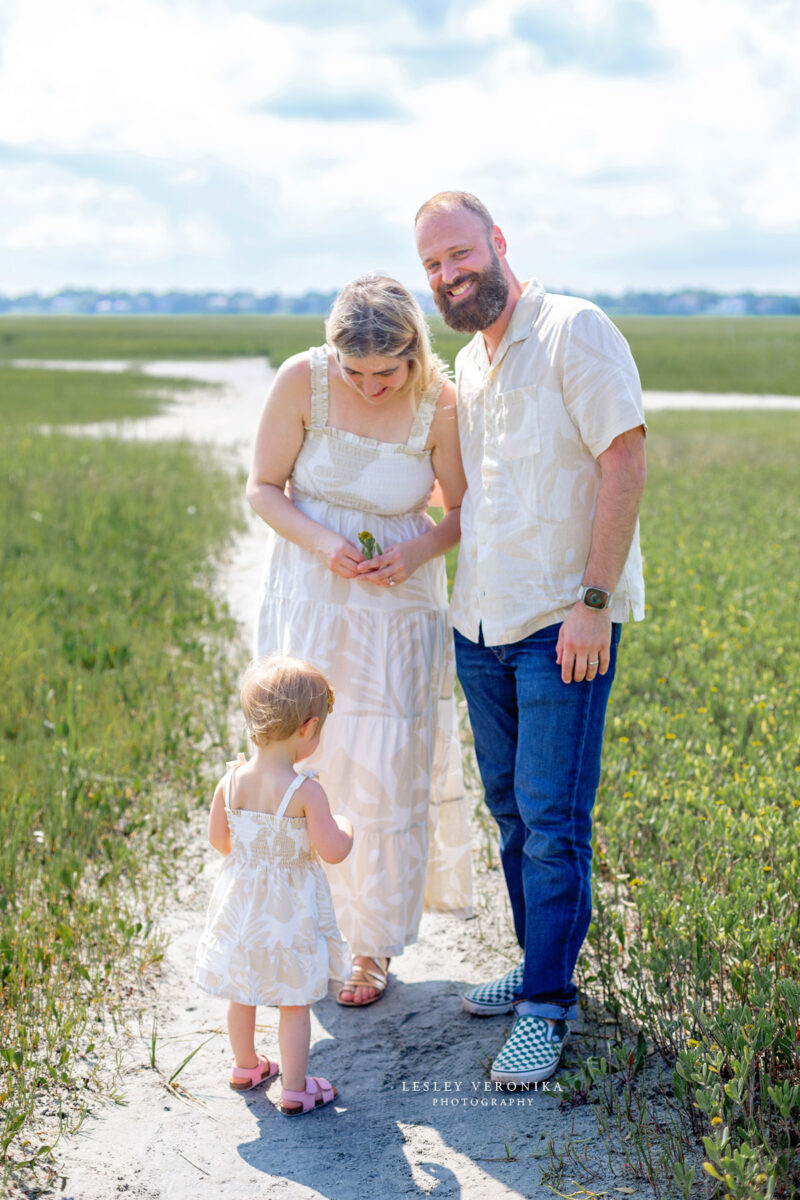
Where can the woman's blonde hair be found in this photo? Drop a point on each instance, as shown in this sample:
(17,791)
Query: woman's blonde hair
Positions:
(375,314)
(279,694)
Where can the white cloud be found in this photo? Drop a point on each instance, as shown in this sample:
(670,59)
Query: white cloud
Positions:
(160,124)
(50,213)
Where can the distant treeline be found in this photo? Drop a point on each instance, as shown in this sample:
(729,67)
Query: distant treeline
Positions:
(76,301)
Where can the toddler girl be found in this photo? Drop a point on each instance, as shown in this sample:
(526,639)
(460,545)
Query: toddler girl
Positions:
(271,935)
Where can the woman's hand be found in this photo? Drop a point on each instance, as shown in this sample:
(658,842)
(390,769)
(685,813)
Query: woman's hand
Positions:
(338,555)
(396,564)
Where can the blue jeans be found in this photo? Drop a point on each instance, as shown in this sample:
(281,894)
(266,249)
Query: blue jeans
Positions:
(538,743)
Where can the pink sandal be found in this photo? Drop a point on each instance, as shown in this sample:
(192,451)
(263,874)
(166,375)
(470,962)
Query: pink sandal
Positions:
(308,1098)
(243,1079)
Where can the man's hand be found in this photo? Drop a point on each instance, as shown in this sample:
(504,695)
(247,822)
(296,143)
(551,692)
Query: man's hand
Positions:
(584,643)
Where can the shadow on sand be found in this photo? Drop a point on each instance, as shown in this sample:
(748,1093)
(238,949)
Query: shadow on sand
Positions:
(416,1111)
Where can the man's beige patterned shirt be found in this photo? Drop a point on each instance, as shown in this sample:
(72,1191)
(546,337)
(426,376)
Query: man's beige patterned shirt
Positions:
(561,387)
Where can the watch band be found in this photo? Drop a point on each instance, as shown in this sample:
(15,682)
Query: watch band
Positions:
(594,597)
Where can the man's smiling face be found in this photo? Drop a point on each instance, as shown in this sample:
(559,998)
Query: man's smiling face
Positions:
(464,270)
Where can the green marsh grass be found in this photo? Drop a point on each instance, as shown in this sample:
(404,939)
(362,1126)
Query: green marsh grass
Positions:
(167,337)
(759,355)
(696,936)
(32,396)
(115,696)
(753,355)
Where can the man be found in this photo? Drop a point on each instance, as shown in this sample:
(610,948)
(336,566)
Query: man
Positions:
(552,436)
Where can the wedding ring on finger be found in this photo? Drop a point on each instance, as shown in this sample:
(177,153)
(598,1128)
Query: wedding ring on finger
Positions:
(593,662)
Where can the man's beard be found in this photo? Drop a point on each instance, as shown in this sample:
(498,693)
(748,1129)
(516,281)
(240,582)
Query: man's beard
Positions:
(482,308)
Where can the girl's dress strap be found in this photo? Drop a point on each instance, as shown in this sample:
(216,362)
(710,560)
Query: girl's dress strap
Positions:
(292,788)
(424,415)
(319,386)
(237,762)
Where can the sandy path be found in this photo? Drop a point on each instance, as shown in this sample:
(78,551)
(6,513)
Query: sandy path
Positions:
(415,1114)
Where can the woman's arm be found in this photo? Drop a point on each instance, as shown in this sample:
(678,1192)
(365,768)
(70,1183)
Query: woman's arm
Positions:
(218,832)
(402,560)
(331,837)
(278,441)
(447,466)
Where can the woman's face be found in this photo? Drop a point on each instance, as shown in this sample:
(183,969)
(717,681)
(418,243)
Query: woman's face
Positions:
(375,378)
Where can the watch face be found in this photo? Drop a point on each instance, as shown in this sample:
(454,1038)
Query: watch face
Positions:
(595,598)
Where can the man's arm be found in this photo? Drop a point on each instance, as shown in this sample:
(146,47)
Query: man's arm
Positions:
(586,633)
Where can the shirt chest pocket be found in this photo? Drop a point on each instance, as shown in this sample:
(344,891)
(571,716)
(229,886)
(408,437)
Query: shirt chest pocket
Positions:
(518,422)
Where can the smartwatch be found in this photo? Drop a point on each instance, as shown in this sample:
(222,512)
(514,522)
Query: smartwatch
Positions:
(594,597)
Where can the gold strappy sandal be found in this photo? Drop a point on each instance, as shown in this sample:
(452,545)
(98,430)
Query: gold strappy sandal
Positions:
(366,977)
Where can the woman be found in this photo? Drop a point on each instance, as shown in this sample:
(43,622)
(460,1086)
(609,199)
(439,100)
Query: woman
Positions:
(351,439)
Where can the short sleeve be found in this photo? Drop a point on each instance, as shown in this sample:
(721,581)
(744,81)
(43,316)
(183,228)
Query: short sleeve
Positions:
(600,382)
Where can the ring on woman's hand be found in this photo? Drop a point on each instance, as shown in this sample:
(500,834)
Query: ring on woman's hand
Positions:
(390,581)
(593,662)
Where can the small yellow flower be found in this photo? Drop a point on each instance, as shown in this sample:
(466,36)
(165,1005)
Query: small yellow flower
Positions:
(716,1120)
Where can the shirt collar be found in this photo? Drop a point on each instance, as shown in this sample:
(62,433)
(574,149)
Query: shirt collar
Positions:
(526,310)
(525,313)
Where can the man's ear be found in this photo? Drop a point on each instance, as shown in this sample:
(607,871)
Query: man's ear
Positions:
(498,240)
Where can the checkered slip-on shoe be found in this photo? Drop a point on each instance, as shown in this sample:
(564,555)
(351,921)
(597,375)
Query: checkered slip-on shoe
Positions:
(495,998)
(532,1051)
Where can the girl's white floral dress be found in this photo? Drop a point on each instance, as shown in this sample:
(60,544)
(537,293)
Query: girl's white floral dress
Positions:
(271,935)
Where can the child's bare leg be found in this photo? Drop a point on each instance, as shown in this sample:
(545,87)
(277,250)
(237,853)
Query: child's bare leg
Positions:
(294,1039)
(242,1032)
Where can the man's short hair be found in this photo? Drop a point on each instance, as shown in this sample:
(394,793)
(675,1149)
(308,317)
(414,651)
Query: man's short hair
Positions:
(447,201)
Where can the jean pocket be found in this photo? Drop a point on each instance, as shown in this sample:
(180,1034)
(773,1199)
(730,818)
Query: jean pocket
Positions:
(518,422)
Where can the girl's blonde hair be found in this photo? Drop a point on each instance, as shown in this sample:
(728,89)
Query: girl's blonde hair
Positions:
(375,314)
(279,694)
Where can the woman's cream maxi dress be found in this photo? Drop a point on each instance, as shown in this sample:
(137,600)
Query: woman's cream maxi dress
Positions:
(389,757)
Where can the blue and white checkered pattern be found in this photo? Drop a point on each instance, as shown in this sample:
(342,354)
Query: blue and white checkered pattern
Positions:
(493,999)
(532,1051)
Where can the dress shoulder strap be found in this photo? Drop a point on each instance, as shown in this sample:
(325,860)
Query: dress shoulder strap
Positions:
(302,776)
(319,386)
(237,762)
(424,416)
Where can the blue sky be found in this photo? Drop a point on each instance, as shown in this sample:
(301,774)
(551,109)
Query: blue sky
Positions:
(286,144)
